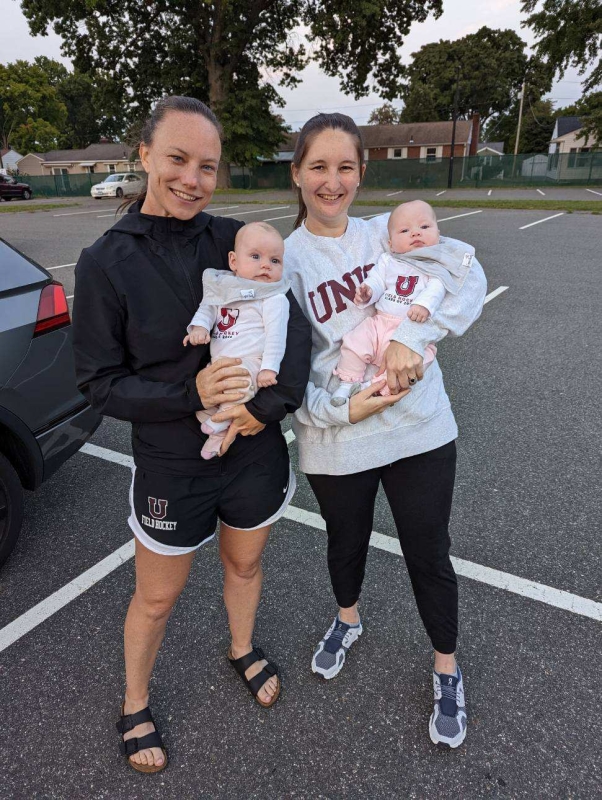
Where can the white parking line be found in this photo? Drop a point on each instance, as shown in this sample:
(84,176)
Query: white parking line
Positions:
(469,214)
(392,194)
(495,293)
(222,208)
(101,216)
(468,569)
(594,192)
(271,219)
(256,211)
(70,296)
(61,266)
(440,193)
(540,192)
(489,193)
(530,225)
(76,213)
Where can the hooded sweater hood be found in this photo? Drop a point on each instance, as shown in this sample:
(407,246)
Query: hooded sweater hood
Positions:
(223,287)
(450,261)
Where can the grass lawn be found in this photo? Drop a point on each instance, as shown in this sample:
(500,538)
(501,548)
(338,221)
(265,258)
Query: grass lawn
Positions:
(591,206)
(15,209)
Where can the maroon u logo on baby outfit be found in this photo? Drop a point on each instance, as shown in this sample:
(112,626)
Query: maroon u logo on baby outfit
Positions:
(405,286)
(228,318)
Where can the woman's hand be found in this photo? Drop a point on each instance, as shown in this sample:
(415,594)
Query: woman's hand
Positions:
(402,365)
(368,402)
(243,422)
(221,382)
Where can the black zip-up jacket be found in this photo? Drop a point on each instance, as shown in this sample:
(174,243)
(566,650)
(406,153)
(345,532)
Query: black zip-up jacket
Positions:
(137,288)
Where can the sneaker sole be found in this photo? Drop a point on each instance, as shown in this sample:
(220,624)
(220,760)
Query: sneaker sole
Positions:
(334,671)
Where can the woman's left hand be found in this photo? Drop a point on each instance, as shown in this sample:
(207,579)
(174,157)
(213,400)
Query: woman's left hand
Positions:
(243,422)
(402,365)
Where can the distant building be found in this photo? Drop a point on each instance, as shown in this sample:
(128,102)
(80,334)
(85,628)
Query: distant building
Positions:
(9,159)
(104,157)
(490,149)
(428,141)
(569,155)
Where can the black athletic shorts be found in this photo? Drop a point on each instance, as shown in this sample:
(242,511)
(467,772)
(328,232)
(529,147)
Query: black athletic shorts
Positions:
(175,515)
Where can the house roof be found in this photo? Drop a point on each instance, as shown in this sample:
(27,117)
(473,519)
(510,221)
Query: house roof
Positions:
(111,151)
(567,125)
(497,147)
(403,135)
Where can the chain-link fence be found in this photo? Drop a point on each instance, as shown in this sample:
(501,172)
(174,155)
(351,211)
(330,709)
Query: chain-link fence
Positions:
(530,169)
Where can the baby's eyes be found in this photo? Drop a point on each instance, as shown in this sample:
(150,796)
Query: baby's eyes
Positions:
(255,256)
(275,261)
(425,227)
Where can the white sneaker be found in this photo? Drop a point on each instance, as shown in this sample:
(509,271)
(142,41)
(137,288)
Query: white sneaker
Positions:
(329,658)
(448,721)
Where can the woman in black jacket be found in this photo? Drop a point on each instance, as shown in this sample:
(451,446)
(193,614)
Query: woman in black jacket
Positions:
(137,288)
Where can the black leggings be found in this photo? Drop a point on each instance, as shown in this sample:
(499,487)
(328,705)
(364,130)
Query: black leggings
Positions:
(419,490)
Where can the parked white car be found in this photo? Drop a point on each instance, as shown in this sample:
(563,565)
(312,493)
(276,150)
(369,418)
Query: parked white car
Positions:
(116,185)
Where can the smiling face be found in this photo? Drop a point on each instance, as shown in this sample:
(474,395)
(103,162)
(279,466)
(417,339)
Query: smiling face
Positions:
(412,225)
(181,163)
(329,176)
(258,253)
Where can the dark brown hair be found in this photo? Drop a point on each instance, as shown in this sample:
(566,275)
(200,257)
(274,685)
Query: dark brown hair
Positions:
(174,102)
(311,129)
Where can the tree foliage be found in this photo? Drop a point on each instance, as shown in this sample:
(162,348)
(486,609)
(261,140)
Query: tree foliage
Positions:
(384,115)
(536,128)
(227,52)
(569,34)
(490,66)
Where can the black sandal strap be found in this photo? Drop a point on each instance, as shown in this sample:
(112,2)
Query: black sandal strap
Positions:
(129,721)
(132,746)
(257,681)
(242,664)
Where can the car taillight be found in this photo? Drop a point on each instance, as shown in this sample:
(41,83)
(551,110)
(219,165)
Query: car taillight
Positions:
(53,311)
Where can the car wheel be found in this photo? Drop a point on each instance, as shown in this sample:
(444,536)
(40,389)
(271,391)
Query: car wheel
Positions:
(26,194)
(11,507)
(8,199)
(119,193)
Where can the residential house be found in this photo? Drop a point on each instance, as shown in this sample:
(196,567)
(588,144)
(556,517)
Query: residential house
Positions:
(9,159)
(104,157)
(490,151)
(570,155)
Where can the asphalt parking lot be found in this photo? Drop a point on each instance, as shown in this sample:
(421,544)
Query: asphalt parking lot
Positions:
(524,383)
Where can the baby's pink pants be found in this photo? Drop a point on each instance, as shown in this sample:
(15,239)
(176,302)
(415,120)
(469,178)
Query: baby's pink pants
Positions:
(366,344)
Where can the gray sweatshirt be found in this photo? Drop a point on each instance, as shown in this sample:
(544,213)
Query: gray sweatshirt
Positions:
(324,273)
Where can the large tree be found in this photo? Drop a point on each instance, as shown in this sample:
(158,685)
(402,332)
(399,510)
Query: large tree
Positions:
(225,52)
(31,111)
(384,115)
(536,128)
(489,67)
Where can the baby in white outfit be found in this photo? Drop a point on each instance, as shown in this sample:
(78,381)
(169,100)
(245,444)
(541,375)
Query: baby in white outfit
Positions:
(244,314)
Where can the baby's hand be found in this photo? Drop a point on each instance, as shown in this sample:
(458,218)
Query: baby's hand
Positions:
(197,335)
(418,313)
(266,377)
(363,294)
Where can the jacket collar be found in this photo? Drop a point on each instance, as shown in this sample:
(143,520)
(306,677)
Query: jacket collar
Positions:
(138,224)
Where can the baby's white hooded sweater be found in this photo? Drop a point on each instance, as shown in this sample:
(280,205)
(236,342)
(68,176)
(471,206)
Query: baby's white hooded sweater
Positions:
(324,273)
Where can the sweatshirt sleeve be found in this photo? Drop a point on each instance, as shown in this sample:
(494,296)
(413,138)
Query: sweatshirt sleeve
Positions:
(205,317)
(273,403)
(275,320)
(102,372)
(431,296)
(454,316)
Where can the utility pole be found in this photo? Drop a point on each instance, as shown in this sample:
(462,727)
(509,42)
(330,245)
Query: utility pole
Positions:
(520,117)
(450,177)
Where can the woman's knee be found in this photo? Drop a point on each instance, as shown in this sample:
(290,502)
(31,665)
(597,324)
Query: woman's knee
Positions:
(241,568)
(156,606)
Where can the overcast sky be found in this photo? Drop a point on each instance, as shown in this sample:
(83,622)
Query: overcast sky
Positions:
(318,92)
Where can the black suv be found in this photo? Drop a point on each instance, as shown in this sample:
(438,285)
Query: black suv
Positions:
(11,188)
(43,418)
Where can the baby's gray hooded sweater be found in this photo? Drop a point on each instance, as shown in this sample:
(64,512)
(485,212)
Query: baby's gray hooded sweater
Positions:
(324,273)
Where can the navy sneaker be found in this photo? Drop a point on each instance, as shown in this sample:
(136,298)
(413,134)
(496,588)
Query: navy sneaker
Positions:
(329,658)
(448,720)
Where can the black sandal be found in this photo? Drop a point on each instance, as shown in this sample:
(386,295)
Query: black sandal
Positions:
(129,747)
(242,664)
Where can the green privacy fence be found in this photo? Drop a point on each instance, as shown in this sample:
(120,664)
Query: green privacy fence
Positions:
(63,185)
(531,169)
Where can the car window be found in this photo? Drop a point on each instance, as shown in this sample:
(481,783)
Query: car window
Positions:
(113,179)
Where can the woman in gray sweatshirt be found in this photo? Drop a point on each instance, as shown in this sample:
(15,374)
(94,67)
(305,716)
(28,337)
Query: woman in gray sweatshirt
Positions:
(406,440)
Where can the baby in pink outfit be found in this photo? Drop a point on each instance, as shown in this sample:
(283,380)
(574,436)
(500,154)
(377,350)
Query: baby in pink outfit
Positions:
(399,288)
(244,314)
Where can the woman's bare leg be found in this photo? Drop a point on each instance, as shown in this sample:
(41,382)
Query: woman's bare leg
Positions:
(159,582)
(240,552)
